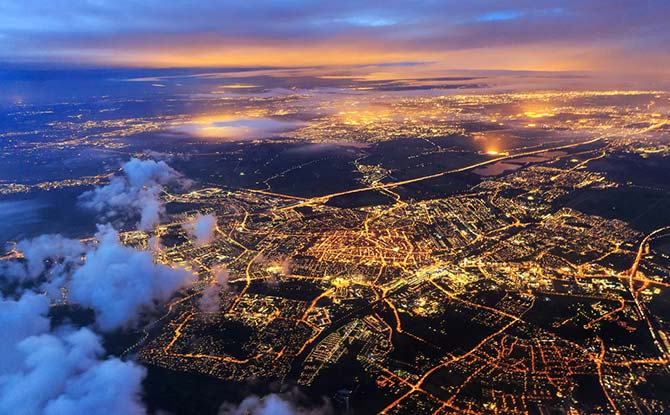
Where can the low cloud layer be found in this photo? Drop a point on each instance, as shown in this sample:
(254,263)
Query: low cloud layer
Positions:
(120,282)
(37,250)
(52,369)
(135,192)
(202,228)
(210,301)
(20,319)
(288,403)
(60,371)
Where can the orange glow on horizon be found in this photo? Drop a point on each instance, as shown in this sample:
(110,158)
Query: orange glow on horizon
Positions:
(335,54)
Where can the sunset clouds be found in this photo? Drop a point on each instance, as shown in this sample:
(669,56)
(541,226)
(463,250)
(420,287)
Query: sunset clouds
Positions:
(522,34)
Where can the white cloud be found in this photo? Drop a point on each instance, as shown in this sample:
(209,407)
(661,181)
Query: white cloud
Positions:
(20,319)
(136,192)
(111,387)
(202,228)
(63,252)
(119,282)
(287,403)
(61,371)
(210,301)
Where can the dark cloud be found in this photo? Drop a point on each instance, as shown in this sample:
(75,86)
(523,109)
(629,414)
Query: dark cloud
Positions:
(134,192)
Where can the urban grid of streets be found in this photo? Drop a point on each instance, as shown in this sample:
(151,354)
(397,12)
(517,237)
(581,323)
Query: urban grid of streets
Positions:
(497,287)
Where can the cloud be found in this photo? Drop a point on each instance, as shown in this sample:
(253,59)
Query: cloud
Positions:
(350,32)
(210,301)
(111,387)
(119,282)
(287,266)
(158,155)
(63,252)
(20,319)
(221,275)
(135,192)
(288,403)
(61,371)
(202,228)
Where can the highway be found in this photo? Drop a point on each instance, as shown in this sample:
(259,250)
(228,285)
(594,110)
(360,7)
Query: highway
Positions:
(385,186)
(631,284)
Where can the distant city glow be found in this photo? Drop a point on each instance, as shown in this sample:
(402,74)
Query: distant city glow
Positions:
(232,127)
